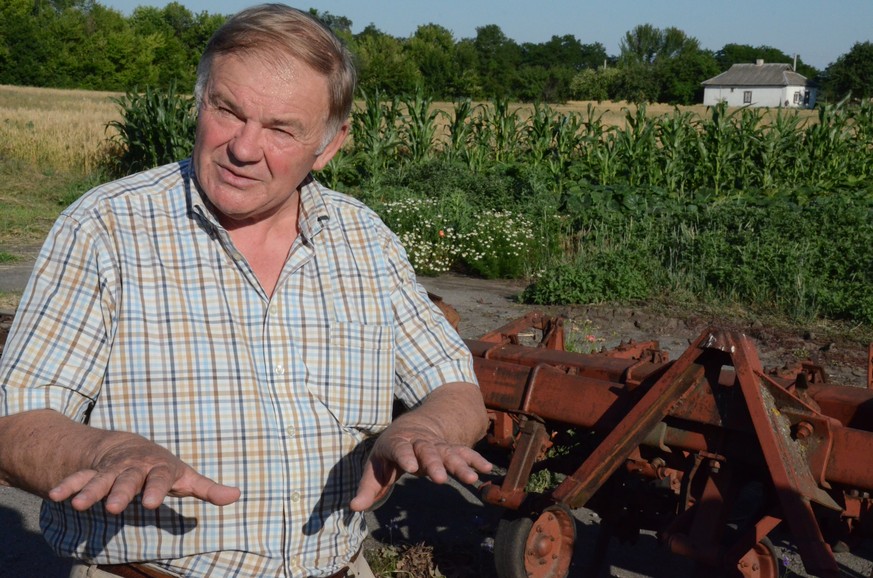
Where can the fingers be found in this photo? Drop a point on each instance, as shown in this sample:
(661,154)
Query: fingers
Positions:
(432,460)
(72,485)
(460,462)
(376,481)
(210,491)
(435,460)
(87,487)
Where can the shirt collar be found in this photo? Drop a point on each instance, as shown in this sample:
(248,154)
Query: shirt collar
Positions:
(314,211)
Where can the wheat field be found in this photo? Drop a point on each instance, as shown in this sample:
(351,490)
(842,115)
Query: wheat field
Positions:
(63,130)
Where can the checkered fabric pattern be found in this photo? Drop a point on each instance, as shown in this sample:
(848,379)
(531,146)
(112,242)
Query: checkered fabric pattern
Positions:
(142,316)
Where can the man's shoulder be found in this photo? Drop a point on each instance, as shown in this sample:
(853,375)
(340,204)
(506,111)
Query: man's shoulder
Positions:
(142,185)
(343,201)
(347,207)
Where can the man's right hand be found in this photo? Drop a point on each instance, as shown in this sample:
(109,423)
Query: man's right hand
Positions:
(127,465)
(107,465)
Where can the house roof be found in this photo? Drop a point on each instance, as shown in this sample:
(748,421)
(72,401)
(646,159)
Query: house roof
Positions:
(760,74)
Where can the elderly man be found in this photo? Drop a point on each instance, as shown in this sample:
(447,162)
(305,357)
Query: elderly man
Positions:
(206,351)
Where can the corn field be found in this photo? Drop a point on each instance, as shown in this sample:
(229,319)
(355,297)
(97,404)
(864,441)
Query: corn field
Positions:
(722,150)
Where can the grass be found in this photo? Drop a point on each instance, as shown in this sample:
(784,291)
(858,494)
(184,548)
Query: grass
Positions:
(31,199)
(51,145)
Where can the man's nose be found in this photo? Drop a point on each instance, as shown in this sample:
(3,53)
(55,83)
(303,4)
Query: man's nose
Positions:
(246,144)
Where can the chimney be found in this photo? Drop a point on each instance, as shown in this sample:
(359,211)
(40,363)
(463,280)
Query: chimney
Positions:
(759,62)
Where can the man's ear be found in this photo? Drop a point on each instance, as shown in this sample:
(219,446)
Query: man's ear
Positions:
(332,148)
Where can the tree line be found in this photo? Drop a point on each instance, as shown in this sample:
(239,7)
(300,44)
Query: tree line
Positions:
(83,44)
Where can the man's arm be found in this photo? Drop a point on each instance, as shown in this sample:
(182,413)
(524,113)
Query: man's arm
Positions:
(433,440)
(54,457)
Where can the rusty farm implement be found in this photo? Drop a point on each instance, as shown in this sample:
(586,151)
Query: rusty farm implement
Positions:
(709,450)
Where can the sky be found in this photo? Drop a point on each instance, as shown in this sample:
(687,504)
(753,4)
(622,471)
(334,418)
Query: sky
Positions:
(818,31)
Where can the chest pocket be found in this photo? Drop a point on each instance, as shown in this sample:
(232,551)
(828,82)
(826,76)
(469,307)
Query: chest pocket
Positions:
(357,385)
(354,378)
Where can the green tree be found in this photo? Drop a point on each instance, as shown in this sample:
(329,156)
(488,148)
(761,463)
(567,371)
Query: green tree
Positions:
(383,65)
(469,84)
(432,48)
(180,38)
(640,45)
(731,54)
(636,82)
(28,54)
(109,55)
(498,59)
(680,76)
(662,65)
(595,84)
(851,73)
(563,52)
(340,25)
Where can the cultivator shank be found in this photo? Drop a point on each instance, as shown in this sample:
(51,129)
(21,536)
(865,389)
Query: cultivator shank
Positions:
(709,450)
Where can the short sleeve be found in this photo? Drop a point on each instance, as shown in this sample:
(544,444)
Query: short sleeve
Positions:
(430,352)
(56,352)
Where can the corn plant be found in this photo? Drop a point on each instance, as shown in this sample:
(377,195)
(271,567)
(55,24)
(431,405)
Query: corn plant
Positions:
(596,152)
(419,126)
(635,146)
(463,128)
(828,146)
(460,129)
(779,151)
(716,148)
(862,124)
(676,135)
(156,128)
(375,133)
(497,129)
(746,138)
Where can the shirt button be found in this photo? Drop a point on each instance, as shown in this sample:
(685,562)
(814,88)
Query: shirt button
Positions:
(280,369)
(274,310)
(295,497)
(291,431)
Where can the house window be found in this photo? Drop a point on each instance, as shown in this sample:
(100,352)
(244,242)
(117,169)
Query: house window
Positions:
(797,97)
(806,98)
(747,97)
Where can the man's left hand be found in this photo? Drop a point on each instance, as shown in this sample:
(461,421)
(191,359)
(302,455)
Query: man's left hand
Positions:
(431,441)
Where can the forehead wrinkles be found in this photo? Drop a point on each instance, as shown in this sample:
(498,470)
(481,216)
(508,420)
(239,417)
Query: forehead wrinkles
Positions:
(277,92)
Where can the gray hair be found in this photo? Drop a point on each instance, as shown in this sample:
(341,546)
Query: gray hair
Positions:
(276,33)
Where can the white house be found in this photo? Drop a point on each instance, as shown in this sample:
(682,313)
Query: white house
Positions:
(760,84)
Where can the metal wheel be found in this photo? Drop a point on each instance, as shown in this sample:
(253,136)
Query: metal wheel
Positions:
(535,548)
(761,561)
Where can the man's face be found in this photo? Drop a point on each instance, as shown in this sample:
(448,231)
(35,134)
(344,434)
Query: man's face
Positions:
(260,131)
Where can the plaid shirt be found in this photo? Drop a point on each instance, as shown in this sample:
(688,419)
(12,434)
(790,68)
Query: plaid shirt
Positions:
(142,316)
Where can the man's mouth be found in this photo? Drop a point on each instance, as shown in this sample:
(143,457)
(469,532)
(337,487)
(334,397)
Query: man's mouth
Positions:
(235,178)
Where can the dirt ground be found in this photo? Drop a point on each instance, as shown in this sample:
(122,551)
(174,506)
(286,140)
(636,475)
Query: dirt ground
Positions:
(457,529)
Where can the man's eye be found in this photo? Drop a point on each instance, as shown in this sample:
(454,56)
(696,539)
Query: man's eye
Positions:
(224,111)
